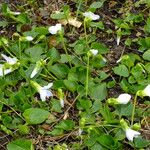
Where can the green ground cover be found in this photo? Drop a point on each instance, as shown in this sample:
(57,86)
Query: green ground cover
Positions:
(74,75)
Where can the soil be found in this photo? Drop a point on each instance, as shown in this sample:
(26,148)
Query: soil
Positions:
(4,140)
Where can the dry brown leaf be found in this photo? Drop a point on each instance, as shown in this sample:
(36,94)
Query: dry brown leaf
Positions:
(112,4)
(72,21)
(53,42)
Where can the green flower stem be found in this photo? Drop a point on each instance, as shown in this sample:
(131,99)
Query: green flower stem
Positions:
(12,110)
(3,73)
(87,75)
(78,57)
(44,74)
(49,73)
(133,110)
(19,48)
(88,55)
(8,51)
(87,72)
(85,31)
(64,46)
(96,126)
(78,9)
(77,13)
(30,90)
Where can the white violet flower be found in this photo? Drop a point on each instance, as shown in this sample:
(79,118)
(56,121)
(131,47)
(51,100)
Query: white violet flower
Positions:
(94,51)
(55,29)
(104,59)
(130,134)
(123,98)
(61,97)
(36,69)
(91,15)
(122,58)
(146,91)
(34,72)
(118,40)
(80,131)
(7,68)
(29,38)
(4,71)
(15,13)
(62,103)
(43,91)
(10,60)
